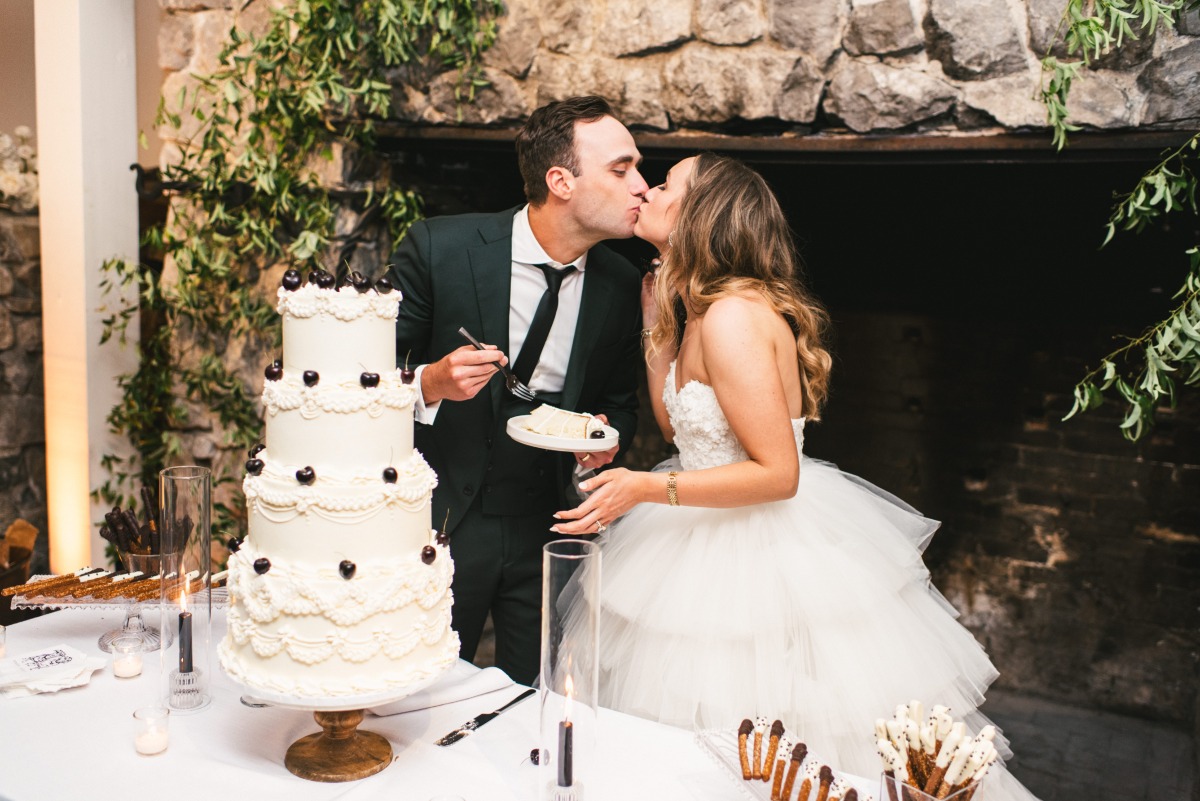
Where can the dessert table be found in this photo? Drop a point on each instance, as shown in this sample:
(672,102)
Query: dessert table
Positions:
(78,742)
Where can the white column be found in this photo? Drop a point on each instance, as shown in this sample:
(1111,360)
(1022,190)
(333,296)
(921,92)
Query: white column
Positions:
(87,138)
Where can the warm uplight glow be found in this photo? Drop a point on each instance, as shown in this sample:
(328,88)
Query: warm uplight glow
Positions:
(87,137)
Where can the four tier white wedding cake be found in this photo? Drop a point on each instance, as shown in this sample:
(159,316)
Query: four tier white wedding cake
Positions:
(341,589)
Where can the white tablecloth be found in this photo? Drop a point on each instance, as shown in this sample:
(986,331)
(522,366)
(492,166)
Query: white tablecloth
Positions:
(78,743)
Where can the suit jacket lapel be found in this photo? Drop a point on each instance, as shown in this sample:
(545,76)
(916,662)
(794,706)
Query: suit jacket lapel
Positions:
(491,267)
(593,309)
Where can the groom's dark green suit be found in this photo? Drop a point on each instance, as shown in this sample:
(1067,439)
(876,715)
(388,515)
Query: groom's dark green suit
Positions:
(456,271)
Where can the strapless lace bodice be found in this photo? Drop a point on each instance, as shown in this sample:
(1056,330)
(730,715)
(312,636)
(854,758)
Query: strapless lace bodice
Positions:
(702,433)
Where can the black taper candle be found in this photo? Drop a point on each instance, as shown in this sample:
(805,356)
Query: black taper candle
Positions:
(185,642)
(566,759)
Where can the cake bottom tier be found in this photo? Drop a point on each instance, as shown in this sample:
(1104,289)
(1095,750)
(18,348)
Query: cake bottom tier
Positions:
(305,632)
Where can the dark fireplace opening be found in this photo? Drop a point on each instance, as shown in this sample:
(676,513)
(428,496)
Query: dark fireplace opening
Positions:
(967,298)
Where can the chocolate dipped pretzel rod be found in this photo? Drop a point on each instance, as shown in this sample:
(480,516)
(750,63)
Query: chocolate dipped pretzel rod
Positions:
(798,755)
(772,747)
(744,734)
(71,587)
(826,779)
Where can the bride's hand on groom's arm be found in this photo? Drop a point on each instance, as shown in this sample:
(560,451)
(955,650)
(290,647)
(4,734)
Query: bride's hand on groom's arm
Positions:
(613,493)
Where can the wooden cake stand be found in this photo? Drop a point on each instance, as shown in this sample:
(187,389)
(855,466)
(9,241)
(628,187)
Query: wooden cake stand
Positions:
(339,753)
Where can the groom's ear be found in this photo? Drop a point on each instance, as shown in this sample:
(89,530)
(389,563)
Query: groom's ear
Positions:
(560,182)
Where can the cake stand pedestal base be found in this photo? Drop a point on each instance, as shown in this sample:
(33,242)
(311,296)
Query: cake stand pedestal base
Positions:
(339,753)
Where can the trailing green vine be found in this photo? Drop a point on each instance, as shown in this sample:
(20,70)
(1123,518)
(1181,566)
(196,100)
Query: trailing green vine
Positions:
(1146,371)
(248,198)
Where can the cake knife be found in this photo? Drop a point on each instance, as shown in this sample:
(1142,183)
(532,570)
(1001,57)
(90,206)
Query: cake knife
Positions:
(474,723)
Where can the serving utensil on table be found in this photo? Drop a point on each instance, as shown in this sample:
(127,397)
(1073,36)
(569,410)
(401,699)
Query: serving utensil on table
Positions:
(477,721)
(514,384)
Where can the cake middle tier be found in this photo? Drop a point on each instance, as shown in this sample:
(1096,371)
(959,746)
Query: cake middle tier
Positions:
(336,517)
(314,425)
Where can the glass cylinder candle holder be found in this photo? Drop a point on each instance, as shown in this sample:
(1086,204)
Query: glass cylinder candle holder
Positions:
(892,789)
(185,498)
(569,681)
(150,731)
(127,656)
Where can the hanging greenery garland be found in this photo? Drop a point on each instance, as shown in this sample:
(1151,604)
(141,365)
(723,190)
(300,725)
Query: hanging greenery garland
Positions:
(250,195)
(1147,370)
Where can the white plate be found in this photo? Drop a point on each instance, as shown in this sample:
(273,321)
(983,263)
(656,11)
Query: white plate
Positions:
(517,430)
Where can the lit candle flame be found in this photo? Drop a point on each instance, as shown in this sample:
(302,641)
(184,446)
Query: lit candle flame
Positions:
(570,690)
(183,599)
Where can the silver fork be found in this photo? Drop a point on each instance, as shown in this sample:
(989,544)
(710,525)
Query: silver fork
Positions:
(514,384)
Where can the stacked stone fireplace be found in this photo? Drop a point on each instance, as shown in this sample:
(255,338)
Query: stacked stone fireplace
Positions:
(965,285)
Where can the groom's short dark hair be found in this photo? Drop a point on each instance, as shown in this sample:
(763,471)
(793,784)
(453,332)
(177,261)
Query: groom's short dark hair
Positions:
(547,139)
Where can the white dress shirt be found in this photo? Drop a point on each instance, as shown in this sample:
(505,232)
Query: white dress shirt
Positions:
(527,285)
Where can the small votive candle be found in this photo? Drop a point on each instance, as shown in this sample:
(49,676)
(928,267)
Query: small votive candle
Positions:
(127,657)
(150,729)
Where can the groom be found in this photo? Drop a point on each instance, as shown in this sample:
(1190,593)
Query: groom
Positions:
(562,312)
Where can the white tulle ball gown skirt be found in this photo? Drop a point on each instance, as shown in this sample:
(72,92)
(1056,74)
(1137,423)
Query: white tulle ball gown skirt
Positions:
(816,610)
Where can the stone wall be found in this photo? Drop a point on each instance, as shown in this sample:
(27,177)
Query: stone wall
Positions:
(928,66)
(22,426)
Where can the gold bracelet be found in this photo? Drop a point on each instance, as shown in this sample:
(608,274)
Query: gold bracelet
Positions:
(672,497)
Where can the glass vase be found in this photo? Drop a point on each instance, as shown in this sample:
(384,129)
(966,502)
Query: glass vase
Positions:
(185,500)
(569,680)
(148,564)
(892,790)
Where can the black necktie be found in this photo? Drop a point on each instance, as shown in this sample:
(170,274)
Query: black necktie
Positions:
(543,318)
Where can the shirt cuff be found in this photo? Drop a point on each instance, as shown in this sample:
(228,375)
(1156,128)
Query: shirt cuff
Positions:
(423,412)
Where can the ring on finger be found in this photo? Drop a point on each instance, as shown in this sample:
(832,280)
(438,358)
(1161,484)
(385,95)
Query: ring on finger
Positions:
(585,457)
(600,527)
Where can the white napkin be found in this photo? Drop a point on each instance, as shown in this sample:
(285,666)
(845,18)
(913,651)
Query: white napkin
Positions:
(46,671)
(461,682)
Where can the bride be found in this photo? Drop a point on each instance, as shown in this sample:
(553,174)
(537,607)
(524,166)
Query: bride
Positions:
(743,579)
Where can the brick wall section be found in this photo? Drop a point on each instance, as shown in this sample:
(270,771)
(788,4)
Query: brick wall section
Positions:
(22,430)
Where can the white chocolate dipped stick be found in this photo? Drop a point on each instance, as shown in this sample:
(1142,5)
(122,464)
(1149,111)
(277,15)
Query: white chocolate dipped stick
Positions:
(954,771)
(916,712)
(912,742)
(760,726)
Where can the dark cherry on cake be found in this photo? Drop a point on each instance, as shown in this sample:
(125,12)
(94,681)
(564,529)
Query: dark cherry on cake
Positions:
(306,475)
(311,377)
(407,375)
(390,475)
(369,380)
(233,544)
(254,466)
(292,280)
(326,280)
(274,370)
(428,554)
(257,449)
(383,286)
(442,537)
(347,568)
(359,282)
(597,434)
(261,565)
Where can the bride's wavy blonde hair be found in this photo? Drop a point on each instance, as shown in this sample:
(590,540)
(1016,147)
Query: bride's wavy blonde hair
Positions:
(731,238)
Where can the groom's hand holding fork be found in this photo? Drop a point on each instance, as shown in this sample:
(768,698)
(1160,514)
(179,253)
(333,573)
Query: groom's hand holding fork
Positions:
(460,374)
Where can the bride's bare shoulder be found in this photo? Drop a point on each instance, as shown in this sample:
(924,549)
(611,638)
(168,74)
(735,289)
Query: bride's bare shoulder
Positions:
(743,311)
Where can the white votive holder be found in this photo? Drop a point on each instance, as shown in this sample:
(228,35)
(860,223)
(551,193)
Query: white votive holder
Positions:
(150,732)
(127,656)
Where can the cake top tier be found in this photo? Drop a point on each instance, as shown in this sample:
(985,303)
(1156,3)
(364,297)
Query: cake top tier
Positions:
(345,304)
